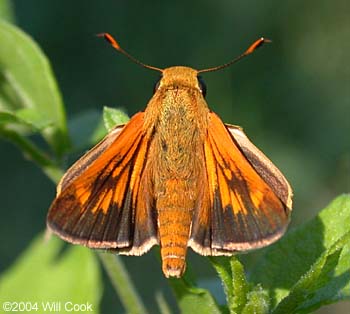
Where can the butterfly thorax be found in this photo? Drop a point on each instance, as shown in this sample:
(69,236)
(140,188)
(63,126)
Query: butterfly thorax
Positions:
(176,151)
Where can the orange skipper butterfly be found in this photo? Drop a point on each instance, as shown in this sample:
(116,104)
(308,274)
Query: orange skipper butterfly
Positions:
(174,175)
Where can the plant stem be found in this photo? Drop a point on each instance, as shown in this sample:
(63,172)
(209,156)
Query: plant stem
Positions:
(162,304)
(122,283)
(239,285)
(34,153)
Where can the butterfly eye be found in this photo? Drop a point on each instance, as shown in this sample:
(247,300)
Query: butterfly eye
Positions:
(156,85)
(202,86)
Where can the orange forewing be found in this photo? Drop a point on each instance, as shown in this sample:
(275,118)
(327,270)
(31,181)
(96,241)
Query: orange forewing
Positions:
(244,209)
(100,200)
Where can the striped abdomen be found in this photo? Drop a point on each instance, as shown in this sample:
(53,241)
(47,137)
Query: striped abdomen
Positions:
(175,209)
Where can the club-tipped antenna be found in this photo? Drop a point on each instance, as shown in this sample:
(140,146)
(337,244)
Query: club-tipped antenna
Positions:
(109,38)
(258,43)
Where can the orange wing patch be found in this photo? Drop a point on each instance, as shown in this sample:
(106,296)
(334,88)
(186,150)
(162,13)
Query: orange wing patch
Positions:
(244,211)
(98,199)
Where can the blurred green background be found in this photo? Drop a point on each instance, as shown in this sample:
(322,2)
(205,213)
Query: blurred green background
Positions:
(292,97)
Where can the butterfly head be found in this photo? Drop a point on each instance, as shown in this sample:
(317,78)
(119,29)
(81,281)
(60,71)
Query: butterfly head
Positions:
(180,77)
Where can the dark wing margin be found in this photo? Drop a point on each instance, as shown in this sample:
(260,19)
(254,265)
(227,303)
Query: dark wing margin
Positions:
(247,201)
(101,201)
(266,169)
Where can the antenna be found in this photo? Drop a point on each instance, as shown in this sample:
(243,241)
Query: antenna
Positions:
(258,43)
(109,38)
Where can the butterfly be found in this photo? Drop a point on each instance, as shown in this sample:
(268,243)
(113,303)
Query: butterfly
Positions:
(175,176)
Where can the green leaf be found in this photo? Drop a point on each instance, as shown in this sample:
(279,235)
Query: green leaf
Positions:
(6,11)
(113,117)
(43,273)
(27,82)
(98,133)
(258,302)
(83,135)
(82,128)
(232,275)
(33,118)
(7,118)
(192,299)
(223,268)
(315,255)
(23,121)
(239,298)
(311,291)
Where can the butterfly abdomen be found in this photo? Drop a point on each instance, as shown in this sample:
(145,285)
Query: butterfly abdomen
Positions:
(174,209)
